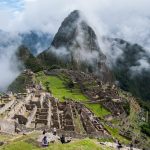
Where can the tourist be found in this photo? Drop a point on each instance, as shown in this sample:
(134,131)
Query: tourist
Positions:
(54,131)
(44,132)
(63,139)
(44,141)
(119,146)
(131,146)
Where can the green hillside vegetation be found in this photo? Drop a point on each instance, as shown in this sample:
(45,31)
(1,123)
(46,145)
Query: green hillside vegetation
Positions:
(115,133)
(19,84)
(134,82)
(29,142)
(59,87)
(145,128)
(77,145)
(98,110)
(28,60)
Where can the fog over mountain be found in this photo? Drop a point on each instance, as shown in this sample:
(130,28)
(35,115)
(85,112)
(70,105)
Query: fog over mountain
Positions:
(9,43)
(128,20)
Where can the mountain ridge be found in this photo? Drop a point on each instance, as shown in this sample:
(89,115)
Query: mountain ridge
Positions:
(81,47)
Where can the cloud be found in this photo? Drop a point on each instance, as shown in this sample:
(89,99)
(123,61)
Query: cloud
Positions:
(8,66)
(108,17)
(142,65)
(125,19)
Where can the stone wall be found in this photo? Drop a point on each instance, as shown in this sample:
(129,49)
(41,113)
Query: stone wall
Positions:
(30,118)
(9,104)
(7,126)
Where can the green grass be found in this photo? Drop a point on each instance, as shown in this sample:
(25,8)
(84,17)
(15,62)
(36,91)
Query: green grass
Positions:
(18,146)
(57,85)
(4,137)
(84,144)
(115,133)
(98,110)
(59,89)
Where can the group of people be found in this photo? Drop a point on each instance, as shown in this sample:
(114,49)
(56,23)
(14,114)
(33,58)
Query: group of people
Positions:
(119,146)
(62,138)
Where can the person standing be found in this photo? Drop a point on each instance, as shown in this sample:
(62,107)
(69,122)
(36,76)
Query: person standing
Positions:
(131,146)
(54,131)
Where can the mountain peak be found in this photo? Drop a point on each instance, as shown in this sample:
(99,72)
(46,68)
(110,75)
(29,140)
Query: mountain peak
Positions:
(75,13)
(75,33)
(77,43)
(67,30)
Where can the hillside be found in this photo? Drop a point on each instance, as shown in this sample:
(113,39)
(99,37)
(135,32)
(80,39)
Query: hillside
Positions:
(131,68)
(73,87)
(27,60)
(29,142)
(75,46)
(118,111)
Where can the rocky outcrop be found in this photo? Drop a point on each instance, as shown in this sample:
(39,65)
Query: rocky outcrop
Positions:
(75,46)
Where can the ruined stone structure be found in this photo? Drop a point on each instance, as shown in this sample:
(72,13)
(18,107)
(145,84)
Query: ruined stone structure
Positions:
(40,111)
(105,94)
(36,110)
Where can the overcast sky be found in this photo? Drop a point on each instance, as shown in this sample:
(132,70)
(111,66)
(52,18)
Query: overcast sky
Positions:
(128,19)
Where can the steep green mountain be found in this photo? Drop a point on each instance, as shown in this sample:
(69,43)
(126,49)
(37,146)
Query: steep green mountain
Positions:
(27,61)
(20,83)
(75,46)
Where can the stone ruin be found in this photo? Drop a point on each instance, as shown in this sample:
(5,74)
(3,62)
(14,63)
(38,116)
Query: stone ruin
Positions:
(38,110)
(104,93)
(42,111)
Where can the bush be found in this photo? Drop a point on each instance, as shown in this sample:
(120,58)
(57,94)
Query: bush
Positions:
(146,129)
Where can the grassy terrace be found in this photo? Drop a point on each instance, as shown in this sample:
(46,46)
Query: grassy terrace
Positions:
(98,110)
(29,142)
(115,133)
(76,145)
(59,89)
(57,85)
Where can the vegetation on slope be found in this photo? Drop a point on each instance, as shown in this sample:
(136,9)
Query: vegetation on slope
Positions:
(98,110)
(145,128)
(115,134)
(59,88)
(28,60)
(129,72)
(29,142)
(19,84)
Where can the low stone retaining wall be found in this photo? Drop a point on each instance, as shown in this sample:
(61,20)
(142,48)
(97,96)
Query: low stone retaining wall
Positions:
(7,126)
(9,104)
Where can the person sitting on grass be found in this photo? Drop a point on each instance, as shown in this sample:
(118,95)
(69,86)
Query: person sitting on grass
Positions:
(44,141)
(44,131)
(63,140)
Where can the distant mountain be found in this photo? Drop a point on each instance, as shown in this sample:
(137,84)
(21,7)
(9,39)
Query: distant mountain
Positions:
(131,68)
(36,41)
(28,60)
(75,46)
